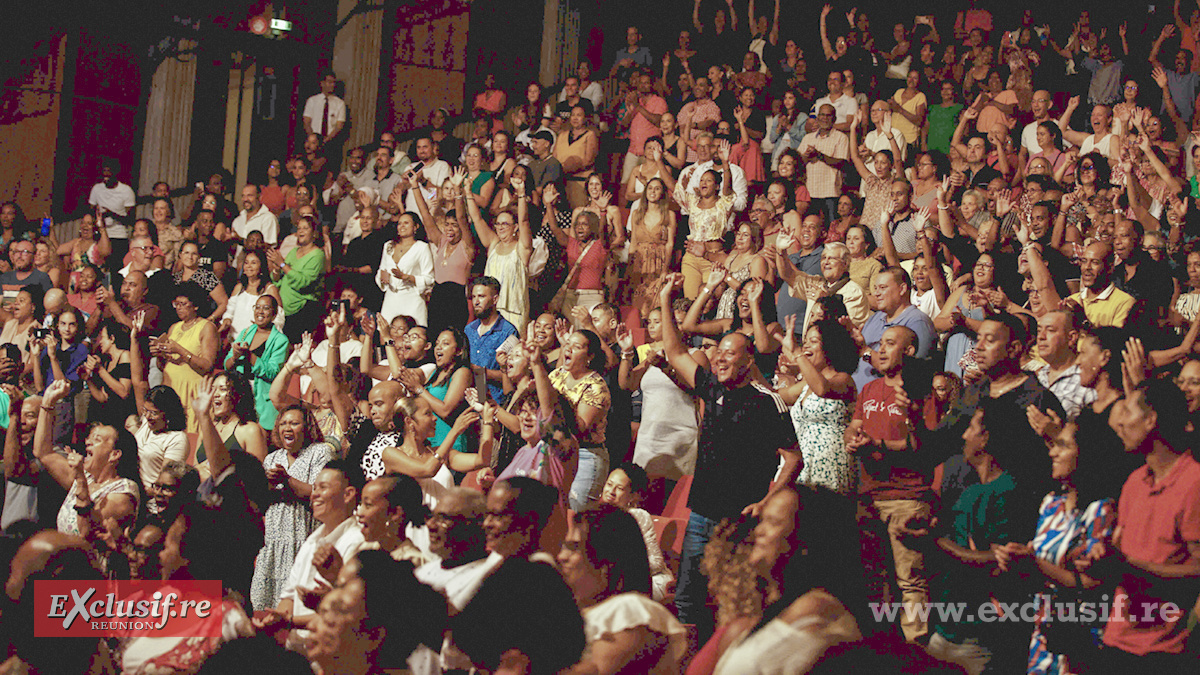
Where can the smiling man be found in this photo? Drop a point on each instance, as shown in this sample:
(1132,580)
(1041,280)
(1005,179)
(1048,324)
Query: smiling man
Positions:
(333,500)
(1102,302)
(893,293)
(734,469)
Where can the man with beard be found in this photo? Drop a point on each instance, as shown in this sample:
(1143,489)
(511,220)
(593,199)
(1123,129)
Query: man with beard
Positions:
(384,181)
(341,191)
(114,202)
(488,332)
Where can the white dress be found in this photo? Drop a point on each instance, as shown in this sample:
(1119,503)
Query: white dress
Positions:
(667,438)
(400,297)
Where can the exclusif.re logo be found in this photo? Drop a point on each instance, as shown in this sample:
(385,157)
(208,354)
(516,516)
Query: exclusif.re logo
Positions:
(127,608)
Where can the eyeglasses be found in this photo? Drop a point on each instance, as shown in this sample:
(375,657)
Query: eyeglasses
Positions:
(984,266)
(449,519)
(165,487)
(1154,248)
(181,303)
(1087,167)
(18,252)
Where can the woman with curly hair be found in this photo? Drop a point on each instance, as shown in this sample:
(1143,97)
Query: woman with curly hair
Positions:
(292,467)
(787,593)
(822,401)
(233,413)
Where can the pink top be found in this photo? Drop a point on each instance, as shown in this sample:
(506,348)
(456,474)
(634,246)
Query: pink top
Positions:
(591,272)
(641,128)
(453,268)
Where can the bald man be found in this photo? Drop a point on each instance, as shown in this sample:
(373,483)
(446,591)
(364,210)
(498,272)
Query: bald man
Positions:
(366,447)
(1102,302)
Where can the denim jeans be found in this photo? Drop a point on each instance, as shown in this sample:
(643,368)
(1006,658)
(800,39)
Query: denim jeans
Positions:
(691,595)
(589,478)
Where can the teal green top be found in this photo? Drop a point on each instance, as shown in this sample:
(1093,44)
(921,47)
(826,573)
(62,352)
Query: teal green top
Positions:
(303,281)
(941,126)
(442,430)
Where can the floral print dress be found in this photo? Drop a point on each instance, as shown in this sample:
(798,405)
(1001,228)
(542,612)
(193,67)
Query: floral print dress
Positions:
(820,424)
(288,523)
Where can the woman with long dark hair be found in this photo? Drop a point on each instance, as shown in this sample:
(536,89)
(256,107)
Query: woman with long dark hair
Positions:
(445,389)
(577,379)
(60,356)
(235,418)
(604,561)
(251,285)
(108,375)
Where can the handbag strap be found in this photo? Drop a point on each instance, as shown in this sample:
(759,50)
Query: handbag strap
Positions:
(578,262)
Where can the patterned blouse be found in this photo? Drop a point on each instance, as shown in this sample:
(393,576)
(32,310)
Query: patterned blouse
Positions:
(708,224)
(590,389)
(1063,536)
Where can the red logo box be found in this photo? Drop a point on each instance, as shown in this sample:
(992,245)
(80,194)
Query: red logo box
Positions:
(127,609)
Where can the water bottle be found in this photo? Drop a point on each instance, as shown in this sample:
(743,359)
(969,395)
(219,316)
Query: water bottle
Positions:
(45,227)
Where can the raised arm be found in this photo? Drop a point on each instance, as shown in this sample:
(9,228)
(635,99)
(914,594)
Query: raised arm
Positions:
(1064,122)
(825,44)
(859,165)
(673,348)
(54,463)
(691,322)
(16,463)
(487,236)
(137,370)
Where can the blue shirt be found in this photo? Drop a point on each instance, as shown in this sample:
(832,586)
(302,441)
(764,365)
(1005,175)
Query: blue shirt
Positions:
(872,332)
(483,347)
(787,304)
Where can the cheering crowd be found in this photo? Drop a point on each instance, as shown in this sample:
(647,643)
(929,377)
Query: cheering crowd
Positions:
(696,368)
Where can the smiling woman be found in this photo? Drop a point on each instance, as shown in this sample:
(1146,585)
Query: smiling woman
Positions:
(291,469)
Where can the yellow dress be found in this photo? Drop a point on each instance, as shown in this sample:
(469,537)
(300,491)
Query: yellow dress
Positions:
(181,376)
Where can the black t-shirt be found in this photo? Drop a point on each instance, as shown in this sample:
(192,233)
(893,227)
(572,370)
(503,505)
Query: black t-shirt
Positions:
(618,432)
(1151,282)
(563,109)
(740,438)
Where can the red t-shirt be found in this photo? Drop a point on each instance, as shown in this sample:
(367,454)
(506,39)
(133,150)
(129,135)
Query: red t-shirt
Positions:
(591,271)
(1157,521)
(883,420)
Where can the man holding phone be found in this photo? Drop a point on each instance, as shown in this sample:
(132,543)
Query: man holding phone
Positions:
(433,172)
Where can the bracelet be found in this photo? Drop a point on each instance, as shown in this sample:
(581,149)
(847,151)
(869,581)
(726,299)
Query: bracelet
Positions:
(627,355)
(83,510)
(389,343)
(942,208)
(47,408)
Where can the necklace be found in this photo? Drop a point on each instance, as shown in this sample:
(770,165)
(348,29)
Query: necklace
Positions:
(450,248)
